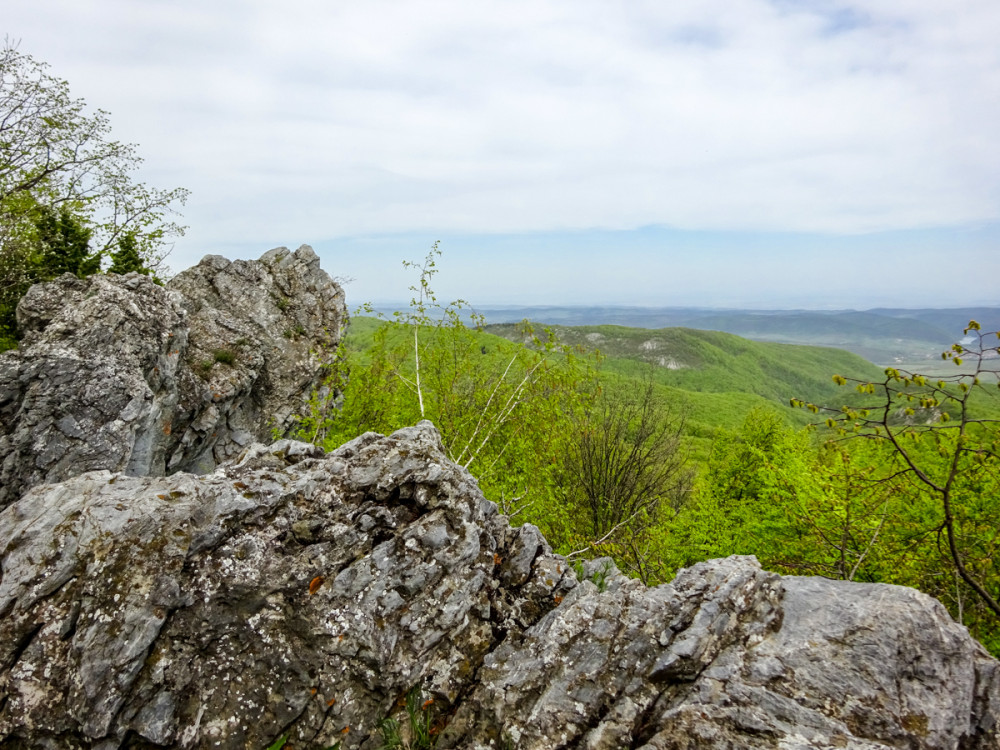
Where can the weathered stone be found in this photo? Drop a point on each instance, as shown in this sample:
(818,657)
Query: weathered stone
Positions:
(280,318)
(94,384)
(118,373)
(302,594)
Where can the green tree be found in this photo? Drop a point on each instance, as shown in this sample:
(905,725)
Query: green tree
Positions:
(801,508)
(849,520)
(749,497)
(941,442)
(19,262)
(65,245)
(127,258)
(57,161)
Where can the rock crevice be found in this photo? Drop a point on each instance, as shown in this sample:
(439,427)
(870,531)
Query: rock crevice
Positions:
(292,592)
(116,372)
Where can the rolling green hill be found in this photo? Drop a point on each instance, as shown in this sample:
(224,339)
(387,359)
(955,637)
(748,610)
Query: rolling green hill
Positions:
(713,379)
(878,338)
(899,337)
(715,365)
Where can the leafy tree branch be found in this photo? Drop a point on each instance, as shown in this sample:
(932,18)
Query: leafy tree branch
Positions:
(932,429)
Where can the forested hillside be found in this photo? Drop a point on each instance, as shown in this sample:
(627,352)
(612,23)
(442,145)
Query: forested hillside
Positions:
(661,448)
(717,376)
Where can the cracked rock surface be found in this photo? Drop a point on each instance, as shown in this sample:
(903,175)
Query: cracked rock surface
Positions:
(292,593)
(118,373)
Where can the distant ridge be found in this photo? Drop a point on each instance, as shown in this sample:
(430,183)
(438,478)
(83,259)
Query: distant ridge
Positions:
(882,336)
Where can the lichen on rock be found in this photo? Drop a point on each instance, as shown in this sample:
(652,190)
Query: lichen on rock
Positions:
(301,594)
(119,373)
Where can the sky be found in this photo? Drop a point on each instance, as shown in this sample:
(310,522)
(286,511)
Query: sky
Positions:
(717,153)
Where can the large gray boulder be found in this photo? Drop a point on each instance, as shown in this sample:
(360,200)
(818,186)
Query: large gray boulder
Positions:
(281,317)
(292,593)
(116,372)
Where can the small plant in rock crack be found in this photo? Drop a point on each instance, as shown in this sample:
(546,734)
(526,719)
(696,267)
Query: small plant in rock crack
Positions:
(598,577)
(418,733)
(225,356)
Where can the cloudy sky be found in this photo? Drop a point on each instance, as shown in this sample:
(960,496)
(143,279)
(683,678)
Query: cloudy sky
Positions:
(760,153)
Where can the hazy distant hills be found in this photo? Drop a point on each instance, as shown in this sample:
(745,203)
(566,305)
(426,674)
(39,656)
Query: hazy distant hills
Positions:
(883,336)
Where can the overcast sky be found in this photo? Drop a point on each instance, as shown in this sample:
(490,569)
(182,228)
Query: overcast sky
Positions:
(705,152)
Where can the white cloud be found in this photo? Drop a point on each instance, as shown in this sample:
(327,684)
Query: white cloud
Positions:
(326,119)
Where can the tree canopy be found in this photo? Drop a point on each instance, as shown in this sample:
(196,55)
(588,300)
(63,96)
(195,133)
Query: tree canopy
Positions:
(68,196)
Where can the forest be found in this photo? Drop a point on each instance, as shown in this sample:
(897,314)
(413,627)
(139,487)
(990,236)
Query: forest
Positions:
(662,448)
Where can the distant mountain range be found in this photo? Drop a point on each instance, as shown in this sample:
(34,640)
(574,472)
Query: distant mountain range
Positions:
(883,335)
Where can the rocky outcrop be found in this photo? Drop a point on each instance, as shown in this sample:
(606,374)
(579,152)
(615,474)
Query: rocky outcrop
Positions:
(116,372)
(281,319)
(301,595)
(168,580)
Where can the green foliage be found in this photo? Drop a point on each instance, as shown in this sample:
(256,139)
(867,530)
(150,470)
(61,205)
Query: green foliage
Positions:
(599,575)
(53,150)
(47,243)
(67,194)
(417,732)
(224,356)
(940,449)
(127,258)
(19,257)
(504,409)
(853,509)
(65,245)
(713,378)
(747,501)
(714,362)
(847,520)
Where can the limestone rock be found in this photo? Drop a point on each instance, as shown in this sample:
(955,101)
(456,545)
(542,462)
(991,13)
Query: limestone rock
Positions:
(95,382)
(279,318)
(292,593)
(118,373)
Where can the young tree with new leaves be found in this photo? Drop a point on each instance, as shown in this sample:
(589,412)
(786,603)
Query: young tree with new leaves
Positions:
(942,442)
